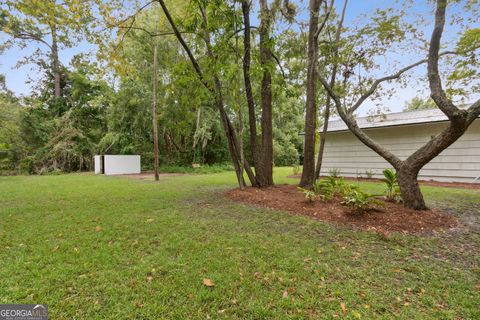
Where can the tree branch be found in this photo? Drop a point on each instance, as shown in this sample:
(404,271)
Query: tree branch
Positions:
(324,22)
(177,33)
(437,93)
(377,82)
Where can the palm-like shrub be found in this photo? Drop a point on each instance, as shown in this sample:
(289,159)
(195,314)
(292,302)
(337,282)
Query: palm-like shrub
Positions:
(392,190)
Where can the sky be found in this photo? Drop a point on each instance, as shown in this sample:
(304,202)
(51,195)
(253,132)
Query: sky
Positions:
(17,78)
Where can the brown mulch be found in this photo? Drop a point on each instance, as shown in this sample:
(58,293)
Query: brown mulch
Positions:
(461,185)
(392,217)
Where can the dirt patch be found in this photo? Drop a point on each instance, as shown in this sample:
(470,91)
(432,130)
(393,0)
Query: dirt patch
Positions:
(392,217)
(149,175)
(460,185)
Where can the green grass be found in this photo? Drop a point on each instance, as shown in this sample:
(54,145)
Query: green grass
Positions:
(204,169)
(95,247)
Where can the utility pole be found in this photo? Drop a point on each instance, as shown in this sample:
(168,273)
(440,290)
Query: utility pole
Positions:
(154,114)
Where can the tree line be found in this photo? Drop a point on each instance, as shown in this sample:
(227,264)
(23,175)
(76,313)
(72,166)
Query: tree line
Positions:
(210,85)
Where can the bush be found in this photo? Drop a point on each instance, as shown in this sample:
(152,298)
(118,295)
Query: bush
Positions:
(326,189)
(331,187)
(334,172)
(392,190)
(284,155)
(360,201)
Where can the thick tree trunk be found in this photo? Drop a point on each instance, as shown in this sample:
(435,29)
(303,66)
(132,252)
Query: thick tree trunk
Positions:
(265,170)
(410,189)
(308,173)
(154,115)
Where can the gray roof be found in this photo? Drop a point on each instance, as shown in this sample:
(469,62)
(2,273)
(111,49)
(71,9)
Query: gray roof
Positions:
(391,119)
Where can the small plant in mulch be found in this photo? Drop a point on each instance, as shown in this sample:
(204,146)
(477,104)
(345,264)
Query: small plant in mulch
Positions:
(325,189)
(360,201)
(392,190)
(351,195)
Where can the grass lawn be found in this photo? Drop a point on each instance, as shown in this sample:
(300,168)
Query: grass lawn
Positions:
(94,247)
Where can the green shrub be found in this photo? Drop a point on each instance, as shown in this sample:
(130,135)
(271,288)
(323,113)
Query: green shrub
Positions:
(360,201)
(334,172)
(392,190)
(331,187)
(326,189)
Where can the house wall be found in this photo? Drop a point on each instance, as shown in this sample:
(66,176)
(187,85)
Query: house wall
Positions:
(458,163)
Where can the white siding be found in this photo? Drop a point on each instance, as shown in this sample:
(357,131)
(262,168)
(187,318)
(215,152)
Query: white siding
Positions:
(460,162)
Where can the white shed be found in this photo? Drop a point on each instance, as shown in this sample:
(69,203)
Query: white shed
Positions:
(402,133)
(117,164)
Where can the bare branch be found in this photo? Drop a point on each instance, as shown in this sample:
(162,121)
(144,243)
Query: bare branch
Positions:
(279,65)
(324,22)
(474,111)
(30,36)
(194,61)
(397,75)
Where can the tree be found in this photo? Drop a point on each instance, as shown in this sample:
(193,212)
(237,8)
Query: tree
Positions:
(417,103)
(308,172)
(10,146)
(216,90)
(48,24)
(459,120)
(333,53)
(64,134)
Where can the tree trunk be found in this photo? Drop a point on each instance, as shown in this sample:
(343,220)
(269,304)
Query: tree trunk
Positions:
(411,193)
(55,64)
(308,172)
(323,139)
(217,92)
(154,115)
(265,174)
(252,121)
(333,77)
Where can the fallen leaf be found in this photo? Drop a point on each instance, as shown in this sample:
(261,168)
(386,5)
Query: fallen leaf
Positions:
(98,228)
(285,294)
(149,278)
(208,282)
(344,308)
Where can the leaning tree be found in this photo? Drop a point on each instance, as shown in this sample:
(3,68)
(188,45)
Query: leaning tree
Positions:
(459,119)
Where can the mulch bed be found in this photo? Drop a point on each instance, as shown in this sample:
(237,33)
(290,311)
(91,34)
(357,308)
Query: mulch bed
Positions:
(392,217)
(461,185)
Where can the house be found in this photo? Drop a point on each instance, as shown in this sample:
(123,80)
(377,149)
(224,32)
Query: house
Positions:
(402,133)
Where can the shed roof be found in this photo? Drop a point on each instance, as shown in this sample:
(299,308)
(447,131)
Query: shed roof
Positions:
(391,119)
